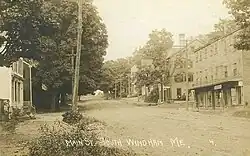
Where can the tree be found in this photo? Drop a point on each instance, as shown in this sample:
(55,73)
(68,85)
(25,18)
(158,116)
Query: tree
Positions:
(157,47)
(22,25)
(223,27)
(49,38)
(114,72)
(94,46)
(240,11)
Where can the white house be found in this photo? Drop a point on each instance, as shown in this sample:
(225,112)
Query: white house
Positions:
(15,82)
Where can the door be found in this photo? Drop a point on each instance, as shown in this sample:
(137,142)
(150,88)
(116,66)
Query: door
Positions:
(178,93)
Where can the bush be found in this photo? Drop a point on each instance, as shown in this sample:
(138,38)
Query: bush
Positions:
(124,95)
(16,113)
(65,140)
(9,126)
(72,117)
(153,96)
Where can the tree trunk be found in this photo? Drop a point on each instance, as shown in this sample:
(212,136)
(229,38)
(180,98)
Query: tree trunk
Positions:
(58,102)
(63,99)
(53,102)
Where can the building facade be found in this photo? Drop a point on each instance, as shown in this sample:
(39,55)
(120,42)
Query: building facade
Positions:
(221,74)
(16,84)
(177,57)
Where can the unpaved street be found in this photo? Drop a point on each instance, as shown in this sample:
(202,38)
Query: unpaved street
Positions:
(170,131)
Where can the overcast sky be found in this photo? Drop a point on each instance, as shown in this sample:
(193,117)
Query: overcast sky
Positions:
(130,21)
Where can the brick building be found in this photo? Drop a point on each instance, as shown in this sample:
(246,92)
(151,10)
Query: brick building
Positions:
(221,74)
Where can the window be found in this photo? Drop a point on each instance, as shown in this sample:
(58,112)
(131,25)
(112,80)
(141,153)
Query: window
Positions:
(216,72)
(206,75)
(200,76)
(215,48)
(200,55)
(211,52)
(18,92)
(15,90)
(190,77)
(234,69)
(178,93)
(197,56)
(225,71)
(211,73)
(205,53)
(197,77)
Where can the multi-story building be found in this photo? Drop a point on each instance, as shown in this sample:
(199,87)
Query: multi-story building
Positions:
(16,86)
(221,73)
(177,57)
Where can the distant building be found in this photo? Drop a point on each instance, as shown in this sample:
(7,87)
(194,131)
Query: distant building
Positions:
(221,73)
(144,90)
(15,82)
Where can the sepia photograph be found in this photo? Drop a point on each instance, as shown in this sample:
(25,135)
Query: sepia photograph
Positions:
(124,77)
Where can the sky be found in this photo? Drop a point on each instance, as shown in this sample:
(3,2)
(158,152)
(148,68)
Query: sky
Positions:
(130,21)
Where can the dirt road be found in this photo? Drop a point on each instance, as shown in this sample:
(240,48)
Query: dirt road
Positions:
(158,131)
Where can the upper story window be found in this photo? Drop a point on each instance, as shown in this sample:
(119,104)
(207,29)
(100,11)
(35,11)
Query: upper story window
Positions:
(197,57)
(235,69)
(211,51)
(215,48)
(225,71)
(205,53)
(200,55)
(216,72)
(200,76)
(206,74)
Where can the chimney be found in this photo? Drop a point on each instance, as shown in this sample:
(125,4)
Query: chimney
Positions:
(182,41)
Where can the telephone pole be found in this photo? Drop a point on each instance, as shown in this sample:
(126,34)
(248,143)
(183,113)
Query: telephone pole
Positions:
(120,88)
(78,55)
(73,68)
(186,66)
(115,90)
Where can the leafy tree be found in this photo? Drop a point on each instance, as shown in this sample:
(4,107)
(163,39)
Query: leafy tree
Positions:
(223,27)
(49,38)
(114,72)
(240,11)
(156,48)
(22,25)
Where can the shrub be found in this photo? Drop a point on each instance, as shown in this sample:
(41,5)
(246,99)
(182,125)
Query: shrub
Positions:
(16,113)
(72,117)
(68,140)
(124,95)
(9,126)
(153,96)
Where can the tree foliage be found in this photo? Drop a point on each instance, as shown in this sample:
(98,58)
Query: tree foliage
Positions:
(46,30)
(240,11)
(156,48)
(115,71)
(23,24)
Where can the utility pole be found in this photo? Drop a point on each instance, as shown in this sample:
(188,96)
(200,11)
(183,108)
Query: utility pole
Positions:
(72,67)
(128,85)
(186,66)
(120,88)
(78,56)
(115,90)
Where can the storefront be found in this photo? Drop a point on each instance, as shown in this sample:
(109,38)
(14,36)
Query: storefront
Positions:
(226,94)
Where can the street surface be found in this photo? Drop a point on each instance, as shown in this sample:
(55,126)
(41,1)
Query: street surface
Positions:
(171,131)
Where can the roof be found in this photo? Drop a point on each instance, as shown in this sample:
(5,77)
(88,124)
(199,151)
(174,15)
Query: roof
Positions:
(206,45)
(180,49)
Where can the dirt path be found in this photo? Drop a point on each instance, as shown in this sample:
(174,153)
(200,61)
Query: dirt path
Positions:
(202,134)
